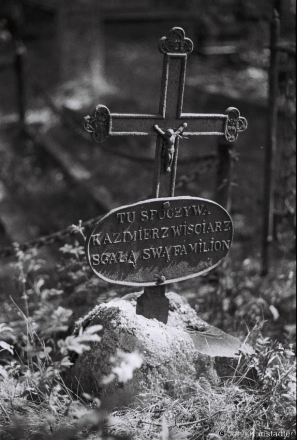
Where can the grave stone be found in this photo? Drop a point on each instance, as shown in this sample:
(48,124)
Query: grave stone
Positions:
(171,354)
(81,51)
(174,257)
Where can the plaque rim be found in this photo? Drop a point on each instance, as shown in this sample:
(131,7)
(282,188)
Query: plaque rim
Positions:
(167,281)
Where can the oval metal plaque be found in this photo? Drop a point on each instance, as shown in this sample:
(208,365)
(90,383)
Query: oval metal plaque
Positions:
(159,241)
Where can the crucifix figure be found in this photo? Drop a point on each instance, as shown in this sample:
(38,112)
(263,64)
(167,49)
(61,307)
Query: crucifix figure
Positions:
(169,143)
(169,126)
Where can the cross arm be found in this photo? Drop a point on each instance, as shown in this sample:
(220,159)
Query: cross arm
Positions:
(230,124)
(102,124)
(134,124)
(204,124)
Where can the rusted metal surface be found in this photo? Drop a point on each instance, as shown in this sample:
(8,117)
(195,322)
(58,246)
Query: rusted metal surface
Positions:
(173,125)
(159,241)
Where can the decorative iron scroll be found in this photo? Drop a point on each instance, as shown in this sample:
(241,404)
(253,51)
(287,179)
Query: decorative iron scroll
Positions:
(234,124)
(99,124)
(176,42)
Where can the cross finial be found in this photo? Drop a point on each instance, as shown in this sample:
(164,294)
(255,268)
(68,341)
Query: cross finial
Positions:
(176,42)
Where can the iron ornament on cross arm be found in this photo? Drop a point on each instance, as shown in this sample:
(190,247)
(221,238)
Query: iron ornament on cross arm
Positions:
(99,123)
(234,124)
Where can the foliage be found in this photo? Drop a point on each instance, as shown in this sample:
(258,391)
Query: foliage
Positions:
(237,298)
(238,407)
(37,345)
(35,402)
(123,366)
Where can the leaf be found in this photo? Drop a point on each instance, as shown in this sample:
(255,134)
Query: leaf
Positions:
(54,329)
(289,353)
(6,346)
(43,354)
(3,372)
(88,338)
(5,329)
(79,348)
(274,312)
(272,359)
(65,362)
(39,283)
(263,341)
(63,313)
(93,329)
(247,349)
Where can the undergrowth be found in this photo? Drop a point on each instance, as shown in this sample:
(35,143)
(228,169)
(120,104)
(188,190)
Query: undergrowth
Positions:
(37,345)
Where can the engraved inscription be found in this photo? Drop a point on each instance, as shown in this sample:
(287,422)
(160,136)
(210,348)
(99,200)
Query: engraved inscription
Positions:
(160,233)
(174,239)
(113,258)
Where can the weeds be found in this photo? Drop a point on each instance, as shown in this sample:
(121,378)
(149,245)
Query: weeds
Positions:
(37,347)
(231,407)
(35,403)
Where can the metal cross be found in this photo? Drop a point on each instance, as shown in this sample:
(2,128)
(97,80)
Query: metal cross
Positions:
(169,125)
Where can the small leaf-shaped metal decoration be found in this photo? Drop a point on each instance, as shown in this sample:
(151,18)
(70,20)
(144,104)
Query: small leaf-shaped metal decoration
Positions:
(234,124)
(99,124)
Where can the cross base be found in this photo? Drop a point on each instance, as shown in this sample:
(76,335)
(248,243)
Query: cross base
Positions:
(153,304)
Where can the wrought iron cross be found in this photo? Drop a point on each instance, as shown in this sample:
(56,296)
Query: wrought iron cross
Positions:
(169,125)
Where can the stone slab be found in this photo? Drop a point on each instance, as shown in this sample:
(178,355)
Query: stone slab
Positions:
(169,353)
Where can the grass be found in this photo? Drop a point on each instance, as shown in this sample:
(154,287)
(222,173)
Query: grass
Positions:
(37,347)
